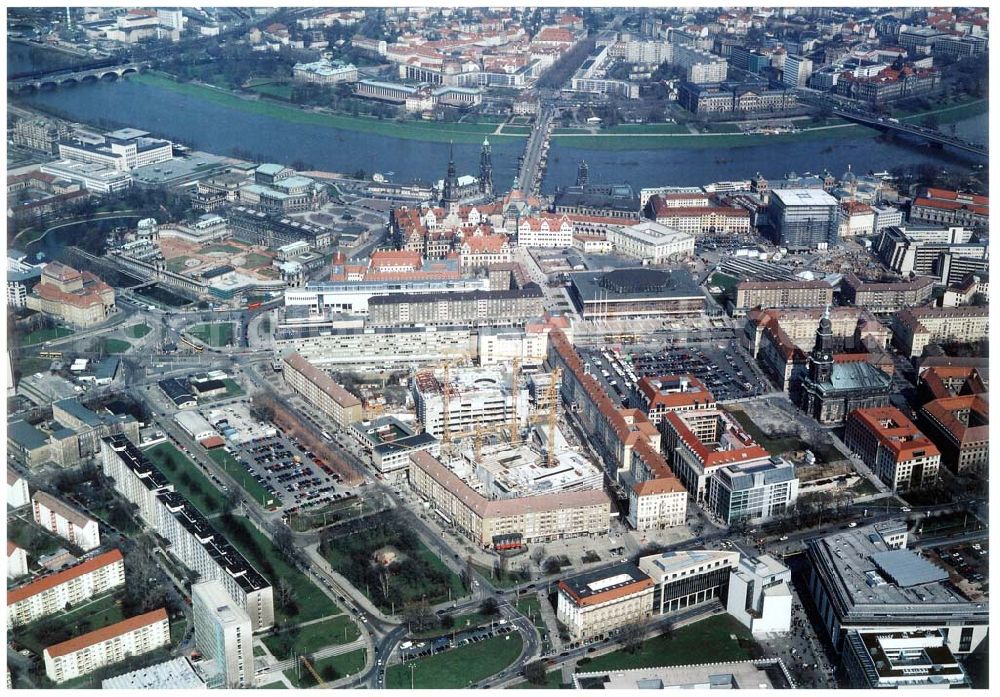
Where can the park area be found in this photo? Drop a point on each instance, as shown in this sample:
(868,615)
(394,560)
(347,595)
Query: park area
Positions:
(458,668)
(215,334)
(309,638)
(716,639)
(329,669)
(388,562)
(42,335)
(137,331)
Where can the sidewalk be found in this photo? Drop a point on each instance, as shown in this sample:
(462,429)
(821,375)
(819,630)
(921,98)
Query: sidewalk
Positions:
(345,586)
(549,616)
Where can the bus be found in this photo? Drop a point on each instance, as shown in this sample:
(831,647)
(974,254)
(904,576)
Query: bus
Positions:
(196,347)
(50,354)
(253,306)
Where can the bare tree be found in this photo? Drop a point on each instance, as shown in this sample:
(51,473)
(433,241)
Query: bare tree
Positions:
(634,633)
(537,554)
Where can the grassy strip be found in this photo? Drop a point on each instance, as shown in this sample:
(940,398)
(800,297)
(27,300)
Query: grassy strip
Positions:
(42,335)
(531,607)
(112,346)
(137,331)
(462,622)
(216,334)
(232,389)
(708,641)
(459,667)
(410,130)
(187,479)
(95,614)
(278,685)
(312,637)
(553,681)
(253,488)
(329,669)
(311,601)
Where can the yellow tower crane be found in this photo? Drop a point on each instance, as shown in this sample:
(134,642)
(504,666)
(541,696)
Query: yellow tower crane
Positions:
(550,416)
(309,666)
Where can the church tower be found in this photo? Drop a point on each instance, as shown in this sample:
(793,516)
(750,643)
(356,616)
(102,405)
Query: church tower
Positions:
(821,358)
(449,194)
(486,170)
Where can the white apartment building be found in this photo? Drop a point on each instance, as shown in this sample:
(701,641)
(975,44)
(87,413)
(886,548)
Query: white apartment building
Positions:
(50,594)
(649,52)
(702,67)
(380,345)
(600,602)
(657,503)
(651,241)
(545,230)
(84,654)
(17,561)
(760,597)
(886,216)
(192,538)
(796,71)
(17,490)
(223,634)
(497,345)
(65,521)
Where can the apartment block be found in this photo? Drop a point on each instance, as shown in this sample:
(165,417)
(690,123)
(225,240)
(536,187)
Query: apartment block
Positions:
(886,297)
(779,294)
(960,426)
(223,634)
(17,561)
(892,447)
(192,538)
(320,390)
(915,328)
(526,519)
(84,654)
(601,602)
(50,594)
(667,393)
(65,521)
(17,489)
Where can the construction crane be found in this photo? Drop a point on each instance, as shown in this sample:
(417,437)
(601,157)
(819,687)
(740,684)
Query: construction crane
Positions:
(515,383)
(550,417)
(309,666)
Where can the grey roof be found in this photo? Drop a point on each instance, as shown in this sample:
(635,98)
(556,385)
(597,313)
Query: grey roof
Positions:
(107,368)
(73,407)
(603,286)
(856,375)
(25,435)
(907,569)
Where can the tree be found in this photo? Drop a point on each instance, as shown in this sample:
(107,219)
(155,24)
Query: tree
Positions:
(535,672)
(551,566)
(284,540)
(233,500)
(418,615)
(489,607)
(537,554)
(633,634)
(447,622)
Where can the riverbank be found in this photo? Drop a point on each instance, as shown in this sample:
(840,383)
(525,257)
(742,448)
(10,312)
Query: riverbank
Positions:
(432,131)
(651,136)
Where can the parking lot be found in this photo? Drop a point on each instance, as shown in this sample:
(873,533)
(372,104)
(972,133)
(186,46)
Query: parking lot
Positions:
(301,479)
(968,565)
(721,366)
(409,650)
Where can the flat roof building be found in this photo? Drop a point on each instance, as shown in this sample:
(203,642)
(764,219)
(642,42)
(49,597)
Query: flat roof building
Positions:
(864,579)
(635,293)
(175,674)
(804,218)
(900,660)
(322,391)
(763,674)
(222,632)
(652,242)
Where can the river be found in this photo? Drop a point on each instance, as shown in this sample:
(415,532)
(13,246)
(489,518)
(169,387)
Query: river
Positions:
(207,125)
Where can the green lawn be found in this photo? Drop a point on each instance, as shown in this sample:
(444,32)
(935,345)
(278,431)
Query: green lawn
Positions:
(97,613)
(177,264)
(29,365)
(708,641)
(531,607)
(431,580)
(459,667)
(724,281)
(137,331)
(232,389)
(254,260)
(214,334)
(253,488)
(274,686)
(42,335)
(226,248)
(312,637)
(411,130)
(467,621)
(516,130)
(278,90)
(702,142)
(506,582)
(187,478)
(115,346)
(312,602)
(330,669)
(647,128)
(34,539)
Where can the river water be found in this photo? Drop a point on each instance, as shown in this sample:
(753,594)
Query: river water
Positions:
(206,125)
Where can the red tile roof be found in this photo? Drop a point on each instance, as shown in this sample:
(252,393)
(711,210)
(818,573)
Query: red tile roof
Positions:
(52,580)
(103,634)
(899,434)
